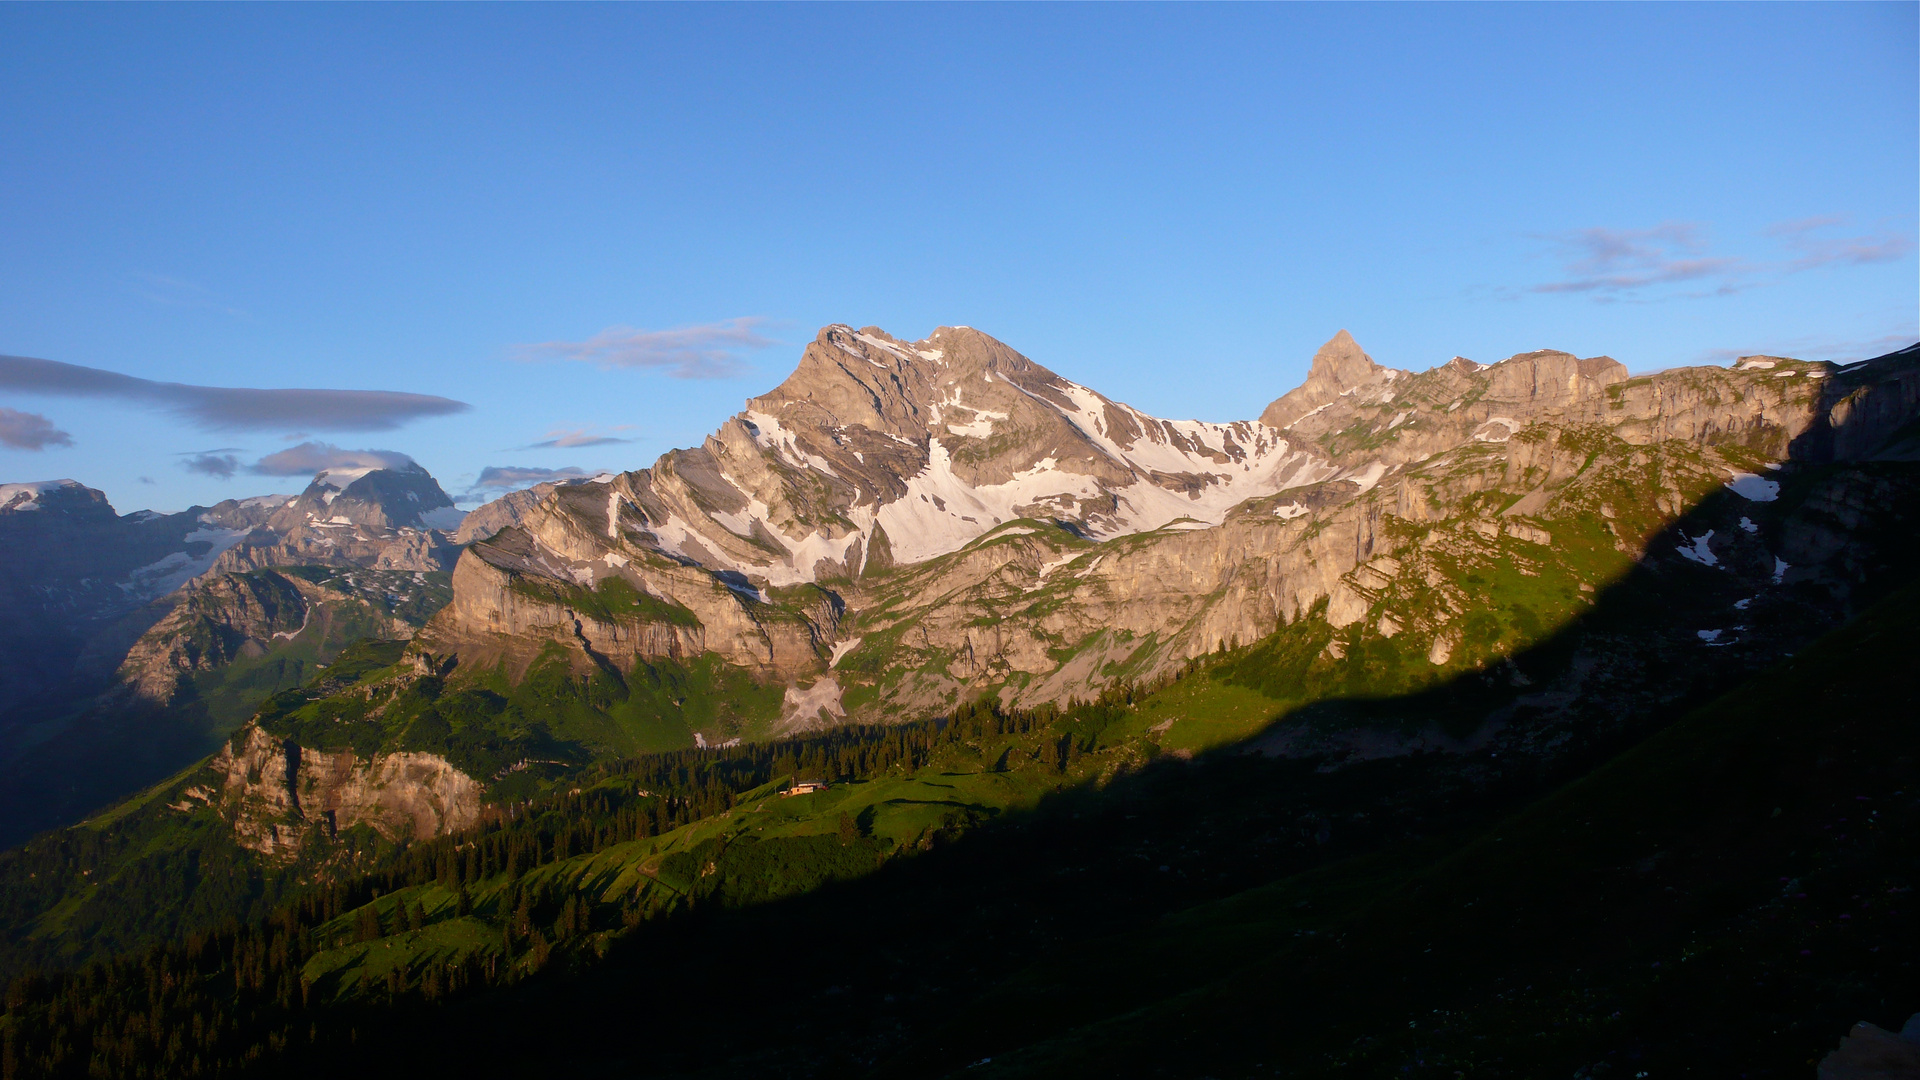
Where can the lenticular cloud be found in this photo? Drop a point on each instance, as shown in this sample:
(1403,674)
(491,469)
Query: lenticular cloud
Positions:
(219,408)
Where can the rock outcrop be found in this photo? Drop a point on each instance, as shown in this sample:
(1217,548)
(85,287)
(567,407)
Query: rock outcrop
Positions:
(489,518)
(221,618)
(279,796)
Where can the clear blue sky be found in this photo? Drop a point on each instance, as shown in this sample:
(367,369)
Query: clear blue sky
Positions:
(1173,204)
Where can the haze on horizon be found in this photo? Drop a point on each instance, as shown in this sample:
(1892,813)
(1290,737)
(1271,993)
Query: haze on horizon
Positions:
(525,240)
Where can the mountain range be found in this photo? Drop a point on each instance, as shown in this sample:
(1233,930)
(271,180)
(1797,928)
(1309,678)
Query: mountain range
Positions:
(474,757)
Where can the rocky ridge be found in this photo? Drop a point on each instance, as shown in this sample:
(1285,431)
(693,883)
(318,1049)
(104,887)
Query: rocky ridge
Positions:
(944,517)
(386,519)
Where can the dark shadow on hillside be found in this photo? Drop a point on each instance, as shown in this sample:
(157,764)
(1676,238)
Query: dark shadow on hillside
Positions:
(1725,590)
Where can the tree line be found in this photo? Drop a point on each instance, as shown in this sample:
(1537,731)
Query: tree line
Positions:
(232,1000)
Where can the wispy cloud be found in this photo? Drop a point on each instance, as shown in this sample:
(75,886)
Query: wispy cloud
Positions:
(496,480)
(1837,350)
(175,292)
(218,408)
(706,351)
(219,466)
(1622,264)
(311,457)
(30,431)
(1814,245)
(567,439)
(1609,262)
(506,476)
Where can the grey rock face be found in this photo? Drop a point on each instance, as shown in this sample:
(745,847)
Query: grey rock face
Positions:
(280,796)
(945,517)
(508,509)
(388,519)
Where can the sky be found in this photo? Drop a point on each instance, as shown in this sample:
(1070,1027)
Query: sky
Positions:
(516,241)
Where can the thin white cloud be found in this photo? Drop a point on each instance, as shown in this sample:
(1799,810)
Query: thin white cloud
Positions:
(30,431)
(507,476)
(706,351)
(572,438)
(1814,245)
(1608,262)
(1837,350)
(219,408)
(311,457)
(496,480)
(175,292)
(1616,264)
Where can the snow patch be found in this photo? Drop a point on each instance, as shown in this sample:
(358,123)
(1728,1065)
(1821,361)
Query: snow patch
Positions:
(162,576)
(1368,477)
(1699,552)
(1753,488)
(840,649)
(1497,429)
(1041,579)
(801,707)
(25,497)
(770,435)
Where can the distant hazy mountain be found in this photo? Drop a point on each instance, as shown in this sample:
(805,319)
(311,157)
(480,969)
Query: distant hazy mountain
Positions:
(98,603)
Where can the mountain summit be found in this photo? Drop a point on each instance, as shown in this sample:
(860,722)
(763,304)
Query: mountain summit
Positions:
(940,518)
(1339,367)
(383,499)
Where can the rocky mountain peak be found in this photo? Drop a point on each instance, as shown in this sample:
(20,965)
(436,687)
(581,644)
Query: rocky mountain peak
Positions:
(70,496)
(1547,378)
(405,497)
(1340,367)
(1341,364)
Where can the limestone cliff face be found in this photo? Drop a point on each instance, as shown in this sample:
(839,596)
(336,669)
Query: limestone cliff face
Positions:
(279,796)
(1462,455)
(222,618)
(1339,368)
(529,585)
(215,623)
(509,509)
(951,509)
